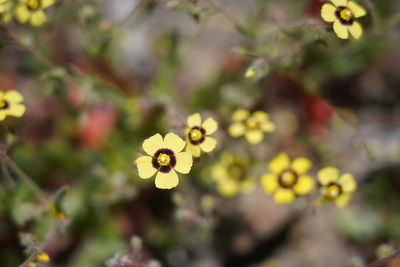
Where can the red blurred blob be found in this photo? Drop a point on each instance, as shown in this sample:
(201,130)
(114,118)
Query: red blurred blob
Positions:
(319,112)
(314,8)
(232,63)
(96,125)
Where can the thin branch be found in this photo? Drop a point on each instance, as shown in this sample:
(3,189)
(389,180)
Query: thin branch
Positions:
(357,134)
(222,10)
(25,178)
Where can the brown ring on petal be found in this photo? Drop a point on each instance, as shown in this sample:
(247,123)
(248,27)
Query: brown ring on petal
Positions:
(201,131)
(329,188)
(165,168)
(347,22)
(288,178)
(5,105)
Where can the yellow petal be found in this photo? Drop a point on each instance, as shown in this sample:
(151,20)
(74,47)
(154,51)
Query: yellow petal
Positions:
(210,125)
(228,188)
(283,196)
(279,163)
(5,17)
(247,186)
(145,167)
(3,115)
(16,110)
(356,30)
(269,182)
(208,145)
(304,185)
(240,115)
(22,14)
(13,96)
(260,116)
(301,165)
(218,172)
(194,150)
(254,136)
(184,162)
(340,30)
(167,180)
(237,129)
(268,126)
(174,142)
(328,175)
(339,2)
(152,144)
(356,9)
(47,3)
(328,13)
(194,120)
(343,200)
(348,183)
(38,18)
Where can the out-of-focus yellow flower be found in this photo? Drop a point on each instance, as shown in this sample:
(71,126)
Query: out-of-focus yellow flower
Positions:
(232,175)
(197,134)
(56,213)
(250,72)
(42,257)
(32,11)
(5,11)
(343,14)
(287,179)
(335,188)
(10,104)
(252,126)
(165,158)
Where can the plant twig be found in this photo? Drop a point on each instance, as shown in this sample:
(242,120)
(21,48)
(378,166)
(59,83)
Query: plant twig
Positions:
(25,178)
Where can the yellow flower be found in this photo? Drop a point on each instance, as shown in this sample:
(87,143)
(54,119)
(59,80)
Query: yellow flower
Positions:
(287,179)
(43,257)
(252,126)
(343,14)
(197,134)
(232,176)
(165,159)
(32,11)
(5,13)
(335,188)
(10,104)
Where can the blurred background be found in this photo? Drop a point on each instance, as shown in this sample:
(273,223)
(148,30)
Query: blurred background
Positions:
(101,76)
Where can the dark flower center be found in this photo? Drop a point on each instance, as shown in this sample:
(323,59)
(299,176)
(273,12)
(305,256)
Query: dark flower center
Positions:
(164,160)
(333,191)
(252,123)
(288,178)
(34,4)
(345,15)
(3,104)
(196,135)
(237,171)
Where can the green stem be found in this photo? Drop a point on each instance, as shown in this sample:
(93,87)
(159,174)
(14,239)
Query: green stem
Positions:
(25,178)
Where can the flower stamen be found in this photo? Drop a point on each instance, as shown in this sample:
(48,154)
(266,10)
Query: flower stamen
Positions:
(195,135)
(333,191)
(163,159)
(34,4)
(288,178)
(252,123)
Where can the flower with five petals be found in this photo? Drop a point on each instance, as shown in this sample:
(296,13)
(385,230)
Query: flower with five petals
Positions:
(343,14)
(287,179)
(165,158)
